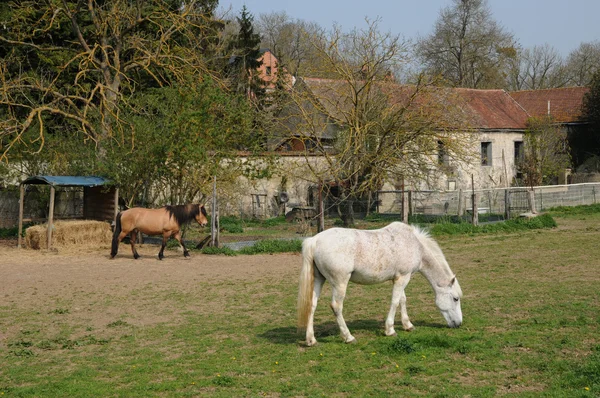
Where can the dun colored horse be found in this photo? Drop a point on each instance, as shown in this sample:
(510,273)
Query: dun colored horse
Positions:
(166,221)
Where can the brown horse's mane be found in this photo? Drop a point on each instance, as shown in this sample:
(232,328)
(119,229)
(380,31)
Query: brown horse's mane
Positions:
(184,213)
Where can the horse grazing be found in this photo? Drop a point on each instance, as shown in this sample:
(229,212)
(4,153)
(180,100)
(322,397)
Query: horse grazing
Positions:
(367,257)
(166,221)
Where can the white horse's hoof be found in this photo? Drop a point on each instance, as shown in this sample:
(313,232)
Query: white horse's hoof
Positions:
(351,341)
(393,334)
(311,343)
(410,328)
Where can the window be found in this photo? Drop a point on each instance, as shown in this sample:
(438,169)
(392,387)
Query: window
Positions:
(519,154)
(518,151)
(443,157)
(486,153)
(268,70)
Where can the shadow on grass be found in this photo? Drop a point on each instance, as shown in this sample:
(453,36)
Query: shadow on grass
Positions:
(290,335)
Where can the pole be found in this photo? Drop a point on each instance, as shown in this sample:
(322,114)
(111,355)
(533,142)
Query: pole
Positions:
(21,204)
(475,218)
(321,226)
(214,221)
(50,216)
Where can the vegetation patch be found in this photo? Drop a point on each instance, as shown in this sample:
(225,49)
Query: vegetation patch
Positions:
(514,225)
(271,246)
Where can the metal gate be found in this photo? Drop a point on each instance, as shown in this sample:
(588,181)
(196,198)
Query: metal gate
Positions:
(518,201)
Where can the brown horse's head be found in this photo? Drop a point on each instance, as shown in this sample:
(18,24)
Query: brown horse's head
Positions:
(201,217)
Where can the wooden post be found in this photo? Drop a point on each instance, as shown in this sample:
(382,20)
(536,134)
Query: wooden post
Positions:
(21,204)
(321,226)
(475,218)
(507,204)
(404,206)
(214,222)
(460,203)
(51,216)
(474,203)
(117,203)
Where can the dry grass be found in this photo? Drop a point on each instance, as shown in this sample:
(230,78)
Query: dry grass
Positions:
(80,233)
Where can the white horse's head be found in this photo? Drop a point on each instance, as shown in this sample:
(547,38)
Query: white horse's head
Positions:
(447,297)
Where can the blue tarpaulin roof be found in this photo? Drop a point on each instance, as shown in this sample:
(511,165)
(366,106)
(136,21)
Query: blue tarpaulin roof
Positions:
(68,181)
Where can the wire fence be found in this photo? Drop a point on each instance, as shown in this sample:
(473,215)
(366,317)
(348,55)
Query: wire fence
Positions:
(501,202)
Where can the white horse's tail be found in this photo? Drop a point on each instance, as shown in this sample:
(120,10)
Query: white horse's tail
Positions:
(307,283)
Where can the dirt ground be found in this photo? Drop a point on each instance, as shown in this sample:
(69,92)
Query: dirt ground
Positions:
(42,279)
(22,269)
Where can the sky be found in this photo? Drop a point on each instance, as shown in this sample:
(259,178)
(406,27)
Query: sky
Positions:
(563,24)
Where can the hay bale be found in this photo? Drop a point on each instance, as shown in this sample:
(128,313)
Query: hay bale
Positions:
(79,233)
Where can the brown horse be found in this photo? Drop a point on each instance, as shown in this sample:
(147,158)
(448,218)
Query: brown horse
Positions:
(166,221)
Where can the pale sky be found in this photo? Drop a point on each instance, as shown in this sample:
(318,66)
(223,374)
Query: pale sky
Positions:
(563,24)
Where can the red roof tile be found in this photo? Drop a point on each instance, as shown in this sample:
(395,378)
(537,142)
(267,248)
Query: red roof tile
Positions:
(565,103)
(493,109)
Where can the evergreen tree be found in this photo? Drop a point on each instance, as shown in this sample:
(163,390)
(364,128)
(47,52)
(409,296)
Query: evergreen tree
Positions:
(244,63)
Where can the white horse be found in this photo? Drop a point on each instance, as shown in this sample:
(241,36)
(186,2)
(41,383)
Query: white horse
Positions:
(367,257)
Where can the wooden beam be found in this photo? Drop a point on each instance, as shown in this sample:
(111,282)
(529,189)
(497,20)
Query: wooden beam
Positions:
(50,216)
(21,204)
(116,203)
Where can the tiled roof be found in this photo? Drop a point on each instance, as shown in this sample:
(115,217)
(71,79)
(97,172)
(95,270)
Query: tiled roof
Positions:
(565,103)
(493,109)
(483,109)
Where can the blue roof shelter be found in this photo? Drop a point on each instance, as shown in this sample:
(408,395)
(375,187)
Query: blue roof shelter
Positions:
(100,198)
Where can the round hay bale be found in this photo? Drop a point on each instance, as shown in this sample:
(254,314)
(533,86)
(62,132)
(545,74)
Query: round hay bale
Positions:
(79,233)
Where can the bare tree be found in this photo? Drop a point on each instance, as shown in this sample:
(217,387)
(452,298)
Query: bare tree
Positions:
(582,63)
(537,68)
(467,47)
(366,127)
(290,40)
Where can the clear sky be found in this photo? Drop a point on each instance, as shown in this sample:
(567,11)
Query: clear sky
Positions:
(563,24)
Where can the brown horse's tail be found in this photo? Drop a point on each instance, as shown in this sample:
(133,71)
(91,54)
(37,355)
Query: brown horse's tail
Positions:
(115,240)
(307,283)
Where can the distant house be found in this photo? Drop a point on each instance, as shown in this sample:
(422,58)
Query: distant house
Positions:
(270,70)
(496,123)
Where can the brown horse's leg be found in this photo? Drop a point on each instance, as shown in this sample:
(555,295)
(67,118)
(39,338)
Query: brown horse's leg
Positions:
(133,239)
(177,236)
(166,237)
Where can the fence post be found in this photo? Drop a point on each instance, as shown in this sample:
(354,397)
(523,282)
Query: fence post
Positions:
(460,211)
(214,224)
(475,200)
(405,205)
(321,226)
(506,204)
(531,201)
(21,205)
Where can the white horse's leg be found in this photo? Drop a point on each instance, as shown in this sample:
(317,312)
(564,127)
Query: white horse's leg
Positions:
(398,298)
(337,305)
(310,330)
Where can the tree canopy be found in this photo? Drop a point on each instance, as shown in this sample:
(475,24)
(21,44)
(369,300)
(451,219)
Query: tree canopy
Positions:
(72,63)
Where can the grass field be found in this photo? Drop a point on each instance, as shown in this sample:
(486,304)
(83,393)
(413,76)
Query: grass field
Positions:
(531,328)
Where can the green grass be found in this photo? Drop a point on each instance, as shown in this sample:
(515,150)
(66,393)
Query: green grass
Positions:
(531,328)
(509,226)
(273,246)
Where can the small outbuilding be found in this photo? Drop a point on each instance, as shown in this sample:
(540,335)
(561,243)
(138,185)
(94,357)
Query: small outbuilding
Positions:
(100,198)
